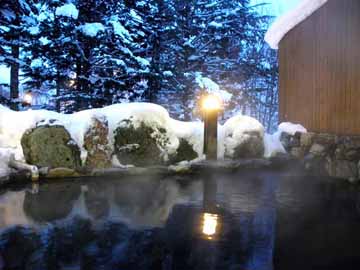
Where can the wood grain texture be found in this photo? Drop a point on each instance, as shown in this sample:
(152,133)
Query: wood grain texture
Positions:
(320,70)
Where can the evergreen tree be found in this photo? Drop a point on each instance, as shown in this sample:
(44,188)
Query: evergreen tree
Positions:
(14,25)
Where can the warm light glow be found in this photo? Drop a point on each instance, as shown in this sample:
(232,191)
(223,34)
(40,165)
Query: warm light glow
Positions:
(211,102)
(210,224)
(71,82)
(28,98)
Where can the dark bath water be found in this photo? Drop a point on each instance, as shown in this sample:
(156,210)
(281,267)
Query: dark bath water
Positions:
(253,221)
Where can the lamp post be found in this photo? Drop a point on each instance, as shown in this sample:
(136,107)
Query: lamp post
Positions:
(211,106)
(27,99)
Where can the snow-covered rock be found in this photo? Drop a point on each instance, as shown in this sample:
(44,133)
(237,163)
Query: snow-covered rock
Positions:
(5,155)
(50,146)
(126,128)
(291,128)
(96,143)
(243,137)
(67,10)
(289,20)
(273,145)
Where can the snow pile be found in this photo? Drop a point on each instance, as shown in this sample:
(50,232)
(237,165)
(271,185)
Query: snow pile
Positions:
(273,145)
(191,132)
(288,21)
(5,155)
(67,10)
(14,124)
(92,29)
(212,88)
(272,142)
(236,131)
(291,128)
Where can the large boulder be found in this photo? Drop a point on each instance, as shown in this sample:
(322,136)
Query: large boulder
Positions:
(185,152)
(251,146)
(149,144)
(243,138)
(50,146)
(141,145)
(96,144)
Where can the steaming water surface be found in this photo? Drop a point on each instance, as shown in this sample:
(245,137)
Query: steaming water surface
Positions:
(252,221)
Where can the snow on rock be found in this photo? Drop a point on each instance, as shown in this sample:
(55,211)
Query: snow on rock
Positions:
(288,21)
(5,155)
(236,131)
(291,128)
(92,29)
(212,88)
(67,10)
(192,132)
(273,145)
(14,124)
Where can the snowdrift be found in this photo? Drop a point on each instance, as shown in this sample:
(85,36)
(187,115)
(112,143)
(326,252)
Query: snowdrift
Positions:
(104,131)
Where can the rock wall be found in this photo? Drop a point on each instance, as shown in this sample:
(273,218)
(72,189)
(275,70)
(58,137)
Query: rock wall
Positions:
(326,154)
(91,140)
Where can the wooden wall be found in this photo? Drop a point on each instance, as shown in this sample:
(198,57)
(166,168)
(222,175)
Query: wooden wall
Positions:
(320,70)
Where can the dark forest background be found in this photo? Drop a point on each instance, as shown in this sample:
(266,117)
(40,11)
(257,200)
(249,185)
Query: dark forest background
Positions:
(149,50)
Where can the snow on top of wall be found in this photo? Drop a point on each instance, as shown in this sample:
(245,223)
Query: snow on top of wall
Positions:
(291,128)
(92,29)
(212,87)
(14,124)
(289,20)
(67,10)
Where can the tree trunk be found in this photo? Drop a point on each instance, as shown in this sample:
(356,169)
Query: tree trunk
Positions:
(154,80)
(14,78)
(58,86)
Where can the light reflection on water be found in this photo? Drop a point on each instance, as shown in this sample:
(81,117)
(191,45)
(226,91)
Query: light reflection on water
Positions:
(254,221)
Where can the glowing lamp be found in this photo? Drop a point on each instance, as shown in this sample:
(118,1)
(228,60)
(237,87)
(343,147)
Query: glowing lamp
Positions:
(211,103)
(210,224)
(27,98)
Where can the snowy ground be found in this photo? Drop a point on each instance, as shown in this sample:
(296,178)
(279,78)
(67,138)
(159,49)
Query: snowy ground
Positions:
(14,124)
